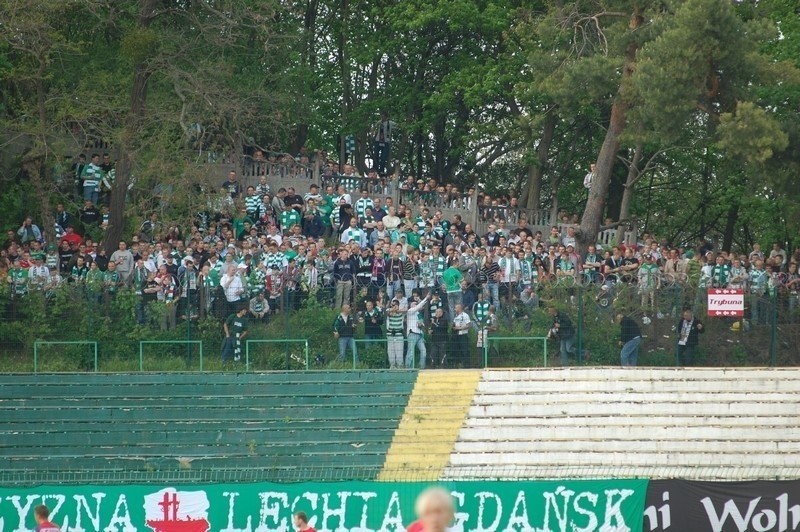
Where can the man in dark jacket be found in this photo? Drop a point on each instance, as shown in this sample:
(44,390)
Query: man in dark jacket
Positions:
(630,338)
(344,328)
(688,330)
(563,331)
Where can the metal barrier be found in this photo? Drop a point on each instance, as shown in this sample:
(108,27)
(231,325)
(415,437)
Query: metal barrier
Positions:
(491,339)
(187,342)
(81,342)
(287,341)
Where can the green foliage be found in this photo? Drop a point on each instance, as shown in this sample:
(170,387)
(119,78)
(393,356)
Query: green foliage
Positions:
(751,134)
(715,92)
(139,44)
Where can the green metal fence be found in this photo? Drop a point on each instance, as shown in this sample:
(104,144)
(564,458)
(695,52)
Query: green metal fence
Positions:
(277,341)
(38,344)
(495,344)
(188,343)
(300,335)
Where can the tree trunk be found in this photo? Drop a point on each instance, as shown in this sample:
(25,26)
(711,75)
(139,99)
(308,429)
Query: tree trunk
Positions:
(536,169)
(630,184)
(439,148)
(344,72)
(595,205)
(730,226)
(119,189)
(32,165)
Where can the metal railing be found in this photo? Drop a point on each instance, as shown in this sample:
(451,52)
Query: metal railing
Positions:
(188,343)
(115,339)
(490,344)
(285,341)
(39,343)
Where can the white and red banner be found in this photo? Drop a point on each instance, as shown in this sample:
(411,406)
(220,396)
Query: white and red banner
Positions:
(726,302)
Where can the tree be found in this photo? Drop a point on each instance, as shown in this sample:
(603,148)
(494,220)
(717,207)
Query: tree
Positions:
(183,67)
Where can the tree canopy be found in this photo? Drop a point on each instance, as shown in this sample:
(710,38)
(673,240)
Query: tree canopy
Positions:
(689,108)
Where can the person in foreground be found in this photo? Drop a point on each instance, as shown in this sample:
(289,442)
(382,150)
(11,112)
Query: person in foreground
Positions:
(301,523)
(42,515)
(434,509)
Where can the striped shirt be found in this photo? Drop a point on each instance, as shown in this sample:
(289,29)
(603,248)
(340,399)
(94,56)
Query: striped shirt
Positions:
(92,175)
(394,324)
(439,265)
(275,260)
(481,310)
(356,235)
(362,204)
(491,269)
(252,204)
(289,219)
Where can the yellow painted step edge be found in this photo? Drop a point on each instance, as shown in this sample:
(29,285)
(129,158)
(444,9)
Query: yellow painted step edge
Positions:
(436,411)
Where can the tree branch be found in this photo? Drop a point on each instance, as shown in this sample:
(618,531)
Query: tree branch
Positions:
(616,224)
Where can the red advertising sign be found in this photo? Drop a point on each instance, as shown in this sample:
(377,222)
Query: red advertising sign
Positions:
(726,302)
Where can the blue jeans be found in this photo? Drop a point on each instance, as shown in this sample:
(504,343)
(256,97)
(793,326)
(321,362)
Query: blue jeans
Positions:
(392,287)
(229,348)
(91,193)
(630,352)
(141,314)
(344,343)
(494,294)
(453,299)
(416,340)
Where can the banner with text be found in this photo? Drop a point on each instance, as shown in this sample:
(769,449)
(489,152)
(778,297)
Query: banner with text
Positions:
(574,506)
(724,302)
(757,506)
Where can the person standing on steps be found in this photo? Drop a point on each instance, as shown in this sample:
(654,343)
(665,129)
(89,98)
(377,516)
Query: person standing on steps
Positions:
(344,329)
(461,326)
(235,332)
(414,327)
(394,335)
(563,331)
(630,339)
(689,329)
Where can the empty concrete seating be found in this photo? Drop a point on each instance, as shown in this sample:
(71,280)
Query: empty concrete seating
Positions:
(642,422)
(266,426)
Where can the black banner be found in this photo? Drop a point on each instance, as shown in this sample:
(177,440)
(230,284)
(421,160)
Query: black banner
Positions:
(757,506)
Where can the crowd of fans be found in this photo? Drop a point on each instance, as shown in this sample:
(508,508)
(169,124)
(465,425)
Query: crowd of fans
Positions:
(401,271)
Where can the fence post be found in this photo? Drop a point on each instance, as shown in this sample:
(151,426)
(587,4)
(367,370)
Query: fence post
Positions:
(545,351)
(677,303)
(773,340)
(188,311)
